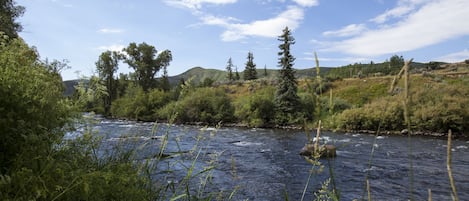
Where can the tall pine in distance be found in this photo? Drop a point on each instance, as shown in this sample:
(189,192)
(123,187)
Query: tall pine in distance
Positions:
(286,100)
(229,70)
(250,72)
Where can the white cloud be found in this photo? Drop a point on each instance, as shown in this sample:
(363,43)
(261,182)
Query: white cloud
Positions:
(403,8)
(350,30)
(432,23)
(197,4)
(342,60)
(265,28)
(235,30)
(106,30)
(455,57)
(114,47)
(307,3)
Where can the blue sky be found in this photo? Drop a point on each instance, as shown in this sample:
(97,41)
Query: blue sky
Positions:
(207,33)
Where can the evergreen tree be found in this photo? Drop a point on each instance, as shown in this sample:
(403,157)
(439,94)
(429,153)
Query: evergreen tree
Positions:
(236,73)
(286,98)
(265,70)
(229,69)
(250,72)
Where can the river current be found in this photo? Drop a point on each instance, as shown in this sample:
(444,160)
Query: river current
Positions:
(264,164)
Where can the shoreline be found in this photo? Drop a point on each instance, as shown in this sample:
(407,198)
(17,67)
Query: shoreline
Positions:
(430,134)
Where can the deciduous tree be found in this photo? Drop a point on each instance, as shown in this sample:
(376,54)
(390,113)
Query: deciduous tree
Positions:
(9,12)
(107,65)
(144,60)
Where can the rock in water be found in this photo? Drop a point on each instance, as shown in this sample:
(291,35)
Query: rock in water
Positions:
(325,151)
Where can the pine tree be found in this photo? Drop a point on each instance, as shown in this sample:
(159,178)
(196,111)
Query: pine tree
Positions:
(286,100)
(250,72)
(229,69)
(236,73)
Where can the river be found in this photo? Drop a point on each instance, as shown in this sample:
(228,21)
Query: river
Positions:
(263,164)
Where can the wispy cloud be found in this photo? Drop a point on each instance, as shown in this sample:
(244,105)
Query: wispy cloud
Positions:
(403,8)
(111,31)
(264,28)
(197,4)
(307,3)
(349,30)
(235,30)
(455,57)
(431,23)
(113,47)
(310,57)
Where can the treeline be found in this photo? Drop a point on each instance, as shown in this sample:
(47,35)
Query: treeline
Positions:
(141,96)
(360,104)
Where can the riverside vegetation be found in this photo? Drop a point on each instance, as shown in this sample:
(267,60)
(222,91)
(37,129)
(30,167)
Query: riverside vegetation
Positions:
(37,163)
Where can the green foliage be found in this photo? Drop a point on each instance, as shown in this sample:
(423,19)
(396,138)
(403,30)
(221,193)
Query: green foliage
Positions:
(250,72)
(229,70)
(439,107)
(256,109)
(208,105)
(107,65)
(9,13)
(308,105)
(142,59)
(207,82)
(385,113)
(32,109)
(286,99)
(137,104)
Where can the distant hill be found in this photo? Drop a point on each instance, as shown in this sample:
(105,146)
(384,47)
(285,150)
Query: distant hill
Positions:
(198,74)
(70,87)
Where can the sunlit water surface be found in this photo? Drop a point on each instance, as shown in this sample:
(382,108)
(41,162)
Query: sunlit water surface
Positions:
(264,164)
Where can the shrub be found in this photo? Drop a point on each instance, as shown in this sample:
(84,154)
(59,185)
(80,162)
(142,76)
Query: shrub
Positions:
(385,113)
(257,109)
(207,105)
(136,104)
(440,107)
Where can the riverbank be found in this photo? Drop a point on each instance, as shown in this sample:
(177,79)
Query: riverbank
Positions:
(404,132)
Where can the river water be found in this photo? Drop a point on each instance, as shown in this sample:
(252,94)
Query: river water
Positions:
(264,164)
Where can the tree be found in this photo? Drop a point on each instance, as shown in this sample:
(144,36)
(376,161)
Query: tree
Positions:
(33,111)
(165,57)
(9,12)
(236,73)
(396,63)
(265,70)
(229,70)
(107,65)
(142,58)
(250,72)
(286,98)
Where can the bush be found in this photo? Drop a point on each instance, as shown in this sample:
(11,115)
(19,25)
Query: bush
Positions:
(386,113)
(440,107)
(256,109)
(207,105)
(33,111)
(136,104)
(308,105)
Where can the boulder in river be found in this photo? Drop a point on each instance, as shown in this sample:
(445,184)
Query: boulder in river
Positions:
(325,151)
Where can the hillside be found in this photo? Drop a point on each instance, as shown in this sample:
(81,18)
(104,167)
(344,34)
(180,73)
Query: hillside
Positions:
(198,74)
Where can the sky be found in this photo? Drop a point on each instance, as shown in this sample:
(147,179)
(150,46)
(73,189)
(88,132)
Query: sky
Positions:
(207,33)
